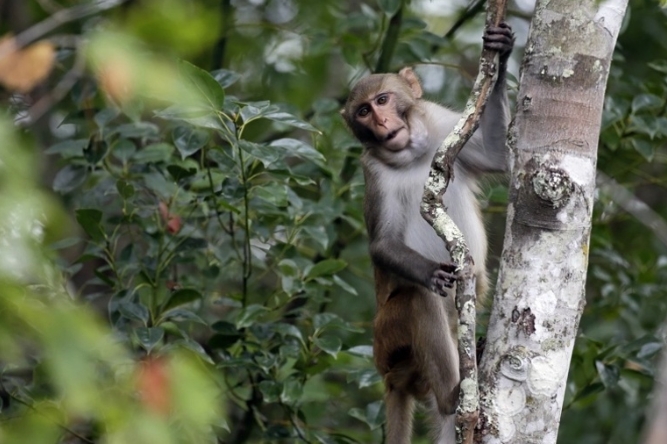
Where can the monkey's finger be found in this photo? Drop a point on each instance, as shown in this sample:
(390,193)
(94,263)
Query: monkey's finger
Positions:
(449,267)
(498,38)
(501,30)
(441,287)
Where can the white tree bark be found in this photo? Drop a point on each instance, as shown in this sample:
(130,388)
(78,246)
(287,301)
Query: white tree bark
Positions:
(553,149)
(656,426)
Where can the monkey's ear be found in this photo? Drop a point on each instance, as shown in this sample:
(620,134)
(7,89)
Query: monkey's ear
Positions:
(411,78)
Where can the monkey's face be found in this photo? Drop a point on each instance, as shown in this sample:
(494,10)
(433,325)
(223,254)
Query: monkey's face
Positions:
(381,116)
(377,111)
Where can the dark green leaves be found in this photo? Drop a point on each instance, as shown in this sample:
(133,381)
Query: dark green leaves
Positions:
(390,7)
(90,220)
(189,140)
(182,297)
(211,94)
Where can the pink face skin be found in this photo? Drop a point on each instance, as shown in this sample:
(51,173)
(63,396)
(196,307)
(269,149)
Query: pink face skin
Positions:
(380,116)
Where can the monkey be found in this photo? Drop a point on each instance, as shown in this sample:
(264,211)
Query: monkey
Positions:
(414,337)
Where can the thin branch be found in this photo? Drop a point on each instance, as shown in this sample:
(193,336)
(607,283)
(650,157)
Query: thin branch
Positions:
(49,6)
(633,205)
(220,49)
(468,14)
(390,41)
(432,209)
(59,18)
(44,104)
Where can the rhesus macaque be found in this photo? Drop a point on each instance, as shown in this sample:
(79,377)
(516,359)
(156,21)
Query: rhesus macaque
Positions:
(415,327)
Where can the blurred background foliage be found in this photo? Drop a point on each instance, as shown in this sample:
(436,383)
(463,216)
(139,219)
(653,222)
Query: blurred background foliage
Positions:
(182,253)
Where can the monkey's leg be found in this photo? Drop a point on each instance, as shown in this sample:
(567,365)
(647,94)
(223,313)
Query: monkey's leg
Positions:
(399,409)
(443,427)
(439,362)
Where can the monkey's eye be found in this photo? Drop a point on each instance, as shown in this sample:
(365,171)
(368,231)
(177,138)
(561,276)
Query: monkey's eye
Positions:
(382,99)
(363,112)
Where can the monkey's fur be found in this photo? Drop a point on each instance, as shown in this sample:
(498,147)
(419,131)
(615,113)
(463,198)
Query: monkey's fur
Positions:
(415,326)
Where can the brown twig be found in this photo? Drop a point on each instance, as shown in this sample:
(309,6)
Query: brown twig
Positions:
(432,209)
(59,18)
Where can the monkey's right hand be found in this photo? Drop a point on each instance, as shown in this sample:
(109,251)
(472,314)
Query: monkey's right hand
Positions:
(443,278)
(499,38)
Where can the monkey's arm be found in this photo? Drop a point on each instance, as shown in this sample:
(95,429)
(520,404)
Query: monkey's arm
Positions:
(403,261)
(485,152)
(390,253)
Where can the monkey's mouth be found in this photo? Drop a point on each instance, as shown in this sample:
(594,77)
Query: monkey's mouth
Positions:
(393,133)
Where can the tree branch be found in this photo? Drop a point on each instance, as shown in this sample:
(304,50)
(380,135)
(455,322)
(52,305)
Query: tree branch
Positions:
(433,211)
(390,41)
(61,17)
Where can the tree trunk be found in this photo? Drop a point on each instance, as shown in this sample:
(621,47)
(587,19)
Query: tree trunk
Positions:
(656,427)
(553,148)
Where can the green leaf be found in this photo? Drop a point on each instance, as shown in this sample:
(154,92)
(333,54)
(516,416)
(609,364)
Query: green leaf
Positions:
(344,285)
(329,344)
(212,94)
(254,110)
(189,140)
(646,101)
(271,391)
(659,65)
(364,351)
(222,342)
(149,337)
(373,415)
(123,150)
(225,77)
(274,193)
(249,315)
(69,148)
(390,7)
(650,349)
(95,151)
(69,178)
(644,147)
(137,130)
(203,118)
(364,377)
(182,297)
(182,314)
(589,390)
(331,320)
(292,391)
(609,374)
(288,267)
(195,347)
(321,320)
(178,172)
(103,117)
(134,311)
(192,243)
(64,243)
(288,330)
(297,148)
(225,328)
(289,119)
(326,267)
(90,220)
(157,152)
(125,189)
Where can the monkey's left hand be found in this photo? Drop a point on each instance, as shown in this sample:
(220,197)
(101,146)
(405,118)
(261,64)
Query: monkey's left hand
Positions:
(499,38)
(443,278)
